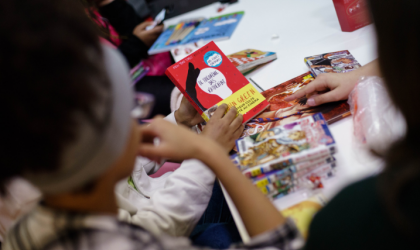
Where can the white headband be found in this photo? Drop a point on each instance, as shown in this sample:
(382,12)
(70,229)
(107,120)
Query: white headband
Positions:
(93,151)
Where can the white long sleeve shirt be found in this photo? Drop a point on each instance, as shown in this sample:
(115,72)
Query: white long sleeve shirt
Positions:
(171,204)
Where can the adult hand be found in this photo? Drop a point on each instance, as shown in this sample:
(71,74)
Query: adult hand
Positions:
(224,129)
(331,87)
(164,140)
(338,87)
(187,115)
(147,36)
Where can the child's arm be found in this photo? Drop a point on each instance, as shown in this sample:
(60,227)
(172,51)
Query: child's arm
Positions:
(258,213)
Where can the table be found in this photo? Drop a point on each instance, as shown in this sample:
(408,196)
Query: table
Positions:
(303,28)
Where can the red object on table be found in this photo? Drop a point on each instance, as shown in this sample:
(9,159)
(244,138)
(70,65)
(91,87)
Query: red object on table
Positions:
(352,14)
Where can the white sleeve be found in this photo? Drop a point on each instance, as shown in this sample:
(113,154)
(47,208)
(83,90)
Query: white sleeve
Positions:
(176,208)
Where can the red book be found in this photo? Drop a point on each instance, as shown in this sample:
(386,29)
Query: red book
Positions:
(207,79)
(352,14)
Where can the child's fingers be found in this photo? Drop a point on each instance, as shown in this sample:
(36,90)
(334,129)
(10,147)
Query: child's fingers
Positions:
(220,111)
(231,114)
(237,122)
(158,29)
(238,132)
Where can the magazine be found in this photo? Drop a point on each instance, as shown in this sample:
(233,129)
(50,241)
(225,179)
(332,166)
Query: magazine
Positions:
(248,59)
(305,139)
(334,62)
(197,30)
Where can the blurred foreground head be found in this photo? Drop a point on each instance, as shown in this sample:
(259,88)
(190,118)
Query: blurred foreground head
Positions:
(398,33)
(64,119)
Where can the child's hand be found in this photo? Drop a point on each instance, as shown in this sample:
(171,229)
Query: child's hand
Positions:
(187,115)
(148,37)
(164,140)
(225,130)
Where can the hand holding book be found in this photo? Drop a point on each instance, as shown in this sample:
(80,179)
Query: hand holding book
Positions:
(224,128)
(187,115)
(177,142)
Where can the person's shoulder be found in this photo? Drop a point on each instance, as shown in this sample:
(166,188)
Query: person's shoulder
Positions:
(125,237)
(348,217)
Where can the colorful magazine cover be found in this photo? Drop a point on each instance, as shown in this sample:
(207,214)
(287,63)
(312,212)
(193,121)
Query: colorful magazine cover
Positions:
(334,62)
(281,112)
(302,140)
(208,79)
(173,36)
(215,28)
(249,58)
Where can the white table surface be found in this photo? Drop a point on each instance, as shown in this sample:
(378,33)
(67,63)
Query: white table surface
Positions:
(303,28)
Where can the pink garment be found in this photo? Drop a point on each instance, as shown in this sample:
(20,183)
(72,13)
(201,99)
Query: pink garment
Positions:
(166,167)
(114,36)
(158,63)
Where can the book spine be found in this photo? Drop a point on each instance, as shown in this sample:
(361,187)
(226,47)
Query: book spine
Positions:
(273,176)
(184,93)
(305,164)
(321,151)
(258,170)
(309,170)
(324,173)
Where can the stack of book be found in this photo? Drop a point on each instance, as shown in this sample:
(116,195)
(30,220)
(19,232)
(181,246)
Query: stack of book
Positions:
(290,157)
(247,60)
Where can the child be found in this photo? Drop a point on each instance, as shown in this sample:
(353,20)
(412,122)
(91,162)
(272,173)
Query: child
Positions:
(119,23)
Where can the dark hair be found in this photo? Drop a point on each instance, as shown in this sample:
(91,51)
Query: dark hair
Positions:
(398,32)
(50,63)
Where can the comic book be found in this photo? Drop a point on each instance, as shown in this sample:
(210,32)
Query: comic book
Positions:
(300,166)
(197,30)
(334,62)
(283,182)
(216,28)
(248,59)
(208,79)
(302,140)
(173,36)
(281,112)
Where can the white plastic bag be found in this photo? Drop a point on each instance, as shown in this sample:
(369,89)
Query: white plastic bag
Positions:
(377,122)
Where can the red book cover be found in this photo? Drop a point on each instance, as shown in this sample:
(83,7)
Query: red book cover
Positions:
(207,79)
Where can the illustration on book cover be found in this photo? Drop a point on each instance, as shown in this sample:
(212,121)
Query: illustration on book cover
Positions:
(281,112)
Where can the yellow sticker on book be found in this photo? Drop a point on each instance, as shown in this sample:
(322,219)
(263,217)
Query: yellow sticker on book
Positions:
(262,183)
(244,100)
(256,172)
(264,190)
